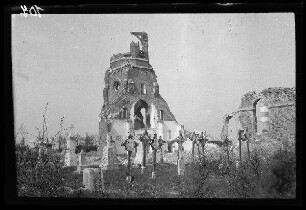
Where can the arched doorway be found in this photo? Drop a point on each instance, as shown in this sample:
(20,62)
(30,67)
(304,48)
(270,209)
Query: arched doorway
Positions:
(141,115)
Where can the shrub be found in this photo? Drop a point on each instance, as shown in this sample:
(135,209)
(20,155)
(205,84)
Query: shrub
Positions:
(242,181)
(283,171)
(197,183)
(39,177)
(260,178)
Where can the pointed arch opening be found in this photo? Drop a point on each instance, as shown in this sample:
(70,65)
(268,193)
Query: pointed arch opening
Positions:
(141,115)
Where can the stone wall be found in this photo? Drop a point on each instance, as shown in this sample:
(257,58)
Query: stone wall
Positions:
(279,123)
(246,119)
(127,100)
(123,80)
(143,76)
(282,125)
(174,128)
(102,133)
(280,103)
(119,133)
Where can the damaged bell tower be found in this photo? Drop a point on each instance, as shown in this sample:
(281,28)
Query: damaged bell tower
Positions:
(132,102)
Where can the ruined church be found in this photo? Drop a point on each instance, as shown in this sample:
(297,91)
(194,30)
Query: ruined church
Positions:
(268,117)
(132,101)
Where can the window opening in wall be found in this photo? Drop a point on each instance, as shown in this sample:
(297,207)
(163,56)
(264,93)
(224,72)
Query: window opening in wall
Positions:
(160,114)
(143,89)
(125,115)
(116,85)
(130,86)
(169,134)
(120,114)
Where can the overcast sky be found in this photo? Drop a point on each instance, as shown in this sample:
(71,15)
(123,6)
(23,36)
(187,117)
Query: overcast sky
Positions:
(204,63)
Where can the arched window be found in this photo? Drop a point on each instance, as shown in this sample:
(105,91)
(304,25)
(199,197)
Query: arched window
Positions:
(160,114)
(131,86)
(116,85)
(141,115)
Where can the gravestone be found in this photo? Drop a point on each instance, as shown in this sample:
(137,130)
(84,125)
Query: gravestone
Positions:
(70,156)
(139,154)
(81,161)
(181,167)
(109,160)
(92,179)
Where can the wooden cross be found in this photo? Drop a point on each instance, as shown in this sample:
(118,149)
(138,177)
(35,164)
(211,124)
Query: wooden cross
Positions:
(129,145)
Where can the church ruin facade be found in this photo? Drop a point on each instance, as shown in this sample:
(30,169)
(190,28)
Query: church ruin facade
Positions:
(132,101)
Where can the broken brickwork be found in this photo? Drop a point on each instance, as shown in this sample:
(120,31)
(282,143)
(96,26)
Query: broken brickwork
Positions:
(267,116)
(130,88)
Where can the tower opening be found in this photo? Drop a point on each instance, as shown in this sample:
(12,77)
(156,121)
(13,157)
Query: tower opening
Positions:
(141,115)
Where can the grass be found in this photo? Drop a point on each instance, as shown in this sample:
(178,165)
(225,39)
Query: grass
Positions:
(253,179)
(166,185)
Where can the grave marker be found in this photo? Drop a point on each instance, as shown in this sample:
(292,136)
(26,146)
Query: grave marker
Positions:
(130,146)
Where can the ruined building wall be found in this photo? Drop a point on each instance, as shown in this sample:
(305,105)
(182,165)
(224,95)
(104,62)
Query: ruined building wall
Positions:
(129,91)
(269,117)
(283,125)
(125,80)
(103,130)
(119,132)
(116,80)
(271,103)
(142,76)
(233,126)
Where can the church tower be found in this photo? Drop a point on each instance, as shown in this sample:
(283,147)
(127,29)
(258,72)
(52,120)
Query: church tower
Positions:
(132,102)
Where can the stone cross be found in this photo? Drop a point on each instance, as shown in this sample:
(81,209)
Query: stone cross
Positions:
(70,156)
(71,127)
(181,166)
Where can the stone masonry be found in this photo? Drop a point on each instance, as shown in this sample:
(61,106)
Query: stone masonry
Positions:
(132,101)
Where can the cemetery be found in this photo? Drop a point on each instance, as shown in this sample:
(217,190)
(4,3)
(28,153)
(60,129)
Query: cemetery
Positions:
(142,151)
(150,173)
